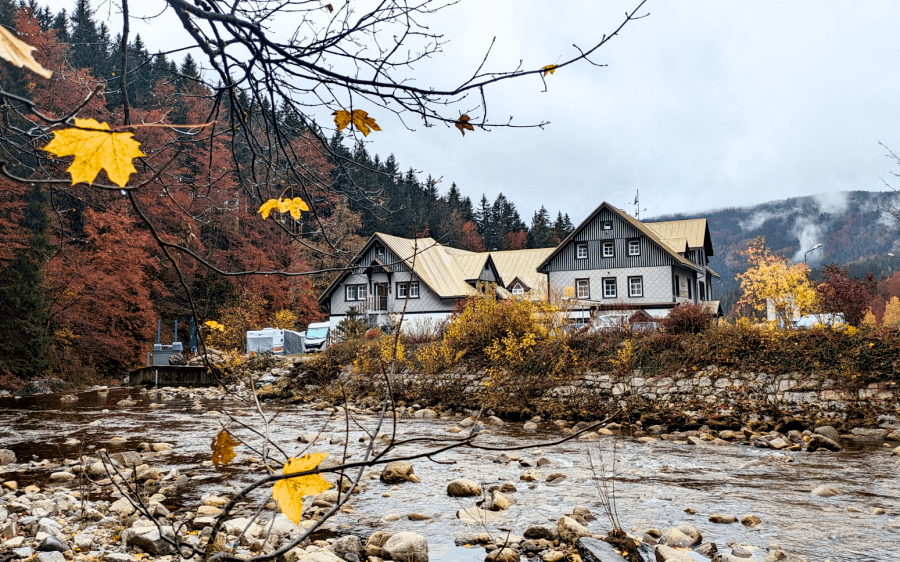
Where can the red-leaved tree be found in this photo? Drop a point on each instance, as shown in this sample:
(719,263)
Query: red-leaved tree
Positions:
(841,293)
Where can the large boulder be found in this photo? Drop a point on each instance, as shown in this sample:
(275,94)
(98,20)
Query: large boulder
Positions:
(682,536)
(348,547)
(407,546)
(7,456)
(463,488)
(570,530)
(817,442)
(665,553)
(375,544)
(594,550)
(398,472)
(502,555)
(150,539)
(829,432)
(541,532)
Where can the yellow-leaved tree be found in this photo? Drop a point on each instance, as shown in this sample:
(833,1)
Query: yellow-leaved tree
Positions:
(869,318)
(892,313)
(771,284)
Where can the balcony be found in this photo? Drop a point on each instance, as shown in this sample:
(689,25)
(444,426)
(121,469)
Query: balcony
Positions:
(376,303)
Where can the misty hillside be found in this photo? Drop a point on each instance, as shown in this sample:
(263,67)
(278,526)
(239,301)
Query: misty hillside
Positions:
(850,225)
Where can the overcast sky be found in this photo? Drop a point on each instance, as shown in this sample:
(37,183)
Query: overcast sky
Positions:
(703,104)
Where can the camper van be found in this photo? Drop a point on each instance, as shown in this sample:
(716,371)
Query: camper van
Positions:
(316,336)
(275,341)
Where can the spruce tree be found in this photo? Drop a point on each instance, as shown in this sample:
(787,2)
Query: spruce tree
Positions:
(24,332)
(87,52)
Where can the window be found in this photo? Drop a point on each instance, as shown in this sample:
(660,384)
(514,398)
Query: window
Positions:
(355,292)
(583,288)
(408,290)
(609,288)
(635,286)
(690,286)
(379,251)
(518,289)
(702,291)
(607,225)
(634,247)
(609,250)
(581,251)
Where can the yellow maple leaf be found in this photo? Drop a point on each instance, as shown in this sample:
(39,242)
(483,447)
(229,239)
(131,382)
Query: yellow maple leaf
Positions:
(463,124)
(359,118)
(293,206)
(290,491)
(19,53)
(213,325)
(223,448)
(549,69)
(95,147)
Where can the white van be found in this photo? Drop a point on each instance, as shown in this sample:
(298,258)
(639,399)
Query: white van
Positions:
(316,336)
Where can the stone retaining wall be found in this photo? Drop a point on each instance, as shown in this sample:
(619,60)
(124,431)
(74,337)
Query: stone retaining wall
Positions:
(706,386)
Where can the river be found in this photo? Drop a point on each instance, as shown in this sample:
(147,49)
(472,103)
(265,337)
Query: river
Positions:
(654,483)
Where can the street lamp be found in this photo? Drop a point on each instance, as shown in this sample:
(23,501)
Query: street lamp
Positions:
(816,247)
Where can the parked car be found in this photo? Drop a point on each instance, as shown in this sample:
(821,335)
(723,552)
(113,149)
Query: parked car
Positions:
(827,319)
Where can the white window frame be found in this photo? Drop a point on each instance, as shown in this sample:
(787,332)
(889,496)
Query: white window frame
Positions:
(358,292)
(379,251)
(611,246)
(634,247)
(413,289)
(583,288)
(401,290)
(607,225)
(640,286)
(518,289)
(607,283)
(581,250)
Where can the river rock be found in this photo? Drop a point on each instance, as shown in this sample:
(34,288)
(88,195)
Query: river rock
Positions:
(593,550)
(321,556)
(725,557)
(398,472)
(50,557)
(826,491)
(553,556)
(375,543)
(542,532)
(497,501)
(463,488)
(782,556)
(682,536)
(127,458)
(502,555)
(52,544)
(61,477)
(895,452)
(750,520)
(829,432)
(569,530)
(122,506)
(476,516)
(150,540)
(817,442)
(530,426)
(7,456)
(425,414)
(720,518)
(348,544)
(665,553)
(708,549)
(407,546)
(493,420)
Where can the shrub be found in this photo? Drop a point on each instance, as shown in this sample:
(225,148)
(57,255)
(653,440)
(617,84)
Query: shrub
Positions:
(687,319)
(353,326)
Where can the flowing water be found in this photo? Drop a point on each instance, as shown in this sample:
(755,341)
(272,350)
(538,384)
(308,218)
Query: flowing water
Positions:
(653,483)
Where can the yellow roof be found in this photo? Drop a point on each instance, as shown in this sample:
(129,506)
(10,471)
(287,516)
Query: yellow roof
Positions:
(436,265)
(470,263)
(695,231)
(651,234)
(522,264)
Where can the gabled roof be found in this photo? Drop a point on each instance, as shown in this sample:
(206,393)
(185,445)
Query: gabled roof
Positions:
(472,264)
(641,227)
(696,231)
(713,273)
(435,265)
(521,264)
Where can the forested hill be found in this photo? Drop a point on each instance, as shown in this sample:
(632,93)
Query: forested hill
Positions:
(850,225)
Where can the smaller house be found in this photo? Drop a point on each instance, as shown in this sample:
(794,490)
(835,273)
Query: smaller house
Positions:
(424,280)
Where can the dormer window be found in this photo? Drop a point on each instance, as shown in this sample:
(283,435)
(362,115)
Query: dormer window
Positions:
(607,225)
(518,289)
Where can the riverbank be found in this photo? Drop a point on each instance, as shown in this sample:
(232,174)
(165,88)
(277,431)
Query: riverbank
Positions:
(820,505)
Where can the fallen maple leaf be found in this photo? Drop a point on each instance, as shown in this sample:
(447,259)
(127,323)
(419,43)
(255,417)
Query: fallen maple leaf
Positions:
(290,491)
(95,147)
(330,7)
(223,448)
(19,53)
(549,69)
(463,124)
(359,118)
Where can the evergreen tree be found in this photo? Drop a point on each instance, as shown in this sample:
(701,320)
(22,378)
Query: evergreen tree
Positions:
(87,49)
(541,234)
(24,334)
(61,25)
(7,13)
(563,226)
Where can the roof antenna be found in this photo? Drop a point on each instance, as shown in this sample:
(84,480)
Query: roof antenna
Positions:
(637,204)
